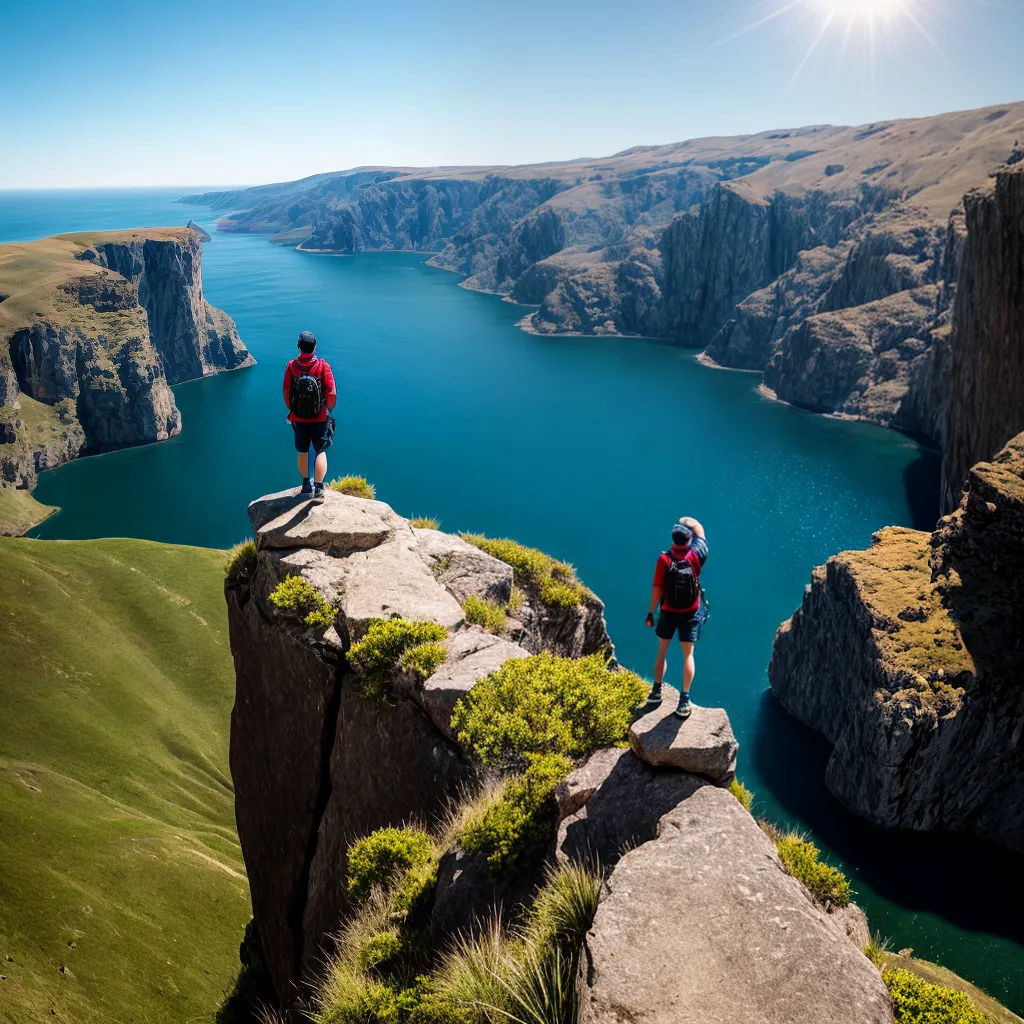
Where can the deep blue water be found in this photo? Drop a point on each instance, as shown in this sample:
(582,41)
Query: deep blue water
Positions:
(587,448)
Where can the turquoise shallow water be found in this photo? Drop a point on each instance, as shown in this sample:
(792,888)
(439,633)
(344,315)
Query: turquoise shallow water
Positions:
(587,448)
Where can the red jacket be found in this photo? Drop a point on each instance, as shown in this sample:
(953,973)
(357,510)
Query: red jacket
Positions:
(310,363)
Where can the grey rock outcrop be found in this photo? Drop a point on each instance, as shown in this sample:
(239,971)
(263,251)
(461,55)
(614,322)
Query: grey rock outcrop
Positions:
(906,658)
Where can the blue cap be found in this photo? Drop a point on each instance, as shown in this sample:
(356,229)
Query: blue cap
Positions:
(681,534)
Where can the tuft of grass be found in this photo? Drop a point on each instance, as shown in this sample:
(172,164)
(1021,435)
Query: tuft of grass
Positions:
(107,807)
(555,582)
(877,949)
(425,523)
(517,826)
(802,859)
(481,612)
(745,797)
(565,907)
(915,1001)
(298,598)
(241,562)
(354,487)
(547,704)
(393,643)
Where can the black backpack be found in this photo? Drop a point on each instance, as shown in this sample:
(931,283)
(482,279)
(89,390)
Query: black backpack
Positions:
(681,586)
(306,398)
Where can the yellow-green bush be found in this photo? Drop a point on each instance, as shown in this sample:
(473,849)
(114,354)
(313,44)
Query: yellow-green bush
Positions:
(300,599)
(353,486)
(241,562)
(916,1001)
(546,704)
(554,581)
(741,793)
(481,612)
(385,859)
(389,643)
(802,859)
(516,829)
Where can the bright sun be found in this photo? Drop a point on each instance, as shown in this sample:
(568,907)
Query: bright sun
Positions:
(864,10)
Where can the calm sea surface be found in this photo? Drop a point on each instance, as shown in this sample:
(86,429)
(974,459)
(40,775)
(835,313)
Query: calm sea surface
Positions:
(587,448)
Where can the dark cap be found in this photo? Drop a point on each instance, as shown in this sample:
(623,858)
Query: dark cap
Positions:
(307,341)
(681,535)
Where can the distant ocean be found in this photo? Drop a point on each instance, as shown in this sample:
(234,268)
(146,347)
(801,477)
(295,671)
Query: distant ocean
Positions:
(587,448)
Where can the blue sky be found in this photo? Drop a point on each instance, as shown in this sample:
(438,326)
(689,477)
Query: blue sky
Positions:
(207,93)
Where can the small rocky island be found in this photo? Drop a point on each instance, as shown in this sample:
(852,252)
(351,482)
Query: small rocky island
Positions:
(95,329)
(450,796)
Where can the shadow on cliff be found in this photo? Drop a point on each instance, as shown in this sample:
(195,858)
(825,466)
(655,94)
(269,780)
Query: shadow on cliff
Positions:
(922,481)
(960,879)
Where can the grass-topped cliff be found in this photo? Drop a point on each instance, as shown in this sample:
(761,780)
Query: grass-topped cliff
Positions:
(122,890)
(94,328)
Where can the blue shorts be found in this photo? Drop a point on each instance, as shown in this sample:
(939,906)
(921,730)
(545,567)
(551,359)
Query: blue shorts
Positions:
(316,435)
(688,624)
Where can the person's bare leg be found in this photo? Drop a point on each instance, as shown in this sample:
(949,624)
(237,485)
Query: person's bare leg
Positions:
(659,664)
(304,464)
(320,467)
(689,666)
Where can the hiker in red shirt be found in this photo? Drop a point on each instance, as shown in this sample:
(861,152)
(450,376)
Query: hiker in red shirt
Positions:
(310,393)
(678,592)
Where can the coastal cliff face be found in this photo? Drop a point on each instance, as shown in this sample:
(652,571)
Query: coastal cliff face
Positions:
(826,258)
(317,764)
(94,330)
(906,658)
(986,364)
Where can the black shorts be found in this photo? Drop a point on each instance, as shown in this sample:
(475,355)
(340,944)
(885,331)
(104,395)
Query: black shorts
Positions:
(317,435)
(687,623)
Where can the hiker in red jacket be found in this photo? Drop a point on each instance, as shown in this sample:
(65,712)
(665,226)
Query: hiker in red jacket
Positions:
(310,394)
(678,592)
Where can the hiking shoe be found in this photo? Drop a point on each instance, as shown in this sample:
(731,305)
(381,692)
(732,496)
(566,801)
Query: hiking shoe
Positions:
(318,492)
(307,487)
(654,697)
(685,707)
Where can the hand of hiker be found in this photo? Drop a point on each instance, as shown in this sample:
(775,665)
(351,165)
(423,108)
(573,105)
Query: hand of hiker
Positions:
(650,618)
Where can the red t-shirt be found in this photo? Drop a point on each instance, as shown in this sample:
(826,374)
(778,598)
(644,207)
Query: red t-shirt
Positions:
(310,363)
(696,554)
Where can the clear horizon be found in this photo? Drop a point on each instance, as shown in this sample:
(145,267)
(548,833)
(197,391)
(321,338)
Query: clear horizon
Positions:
(143,96)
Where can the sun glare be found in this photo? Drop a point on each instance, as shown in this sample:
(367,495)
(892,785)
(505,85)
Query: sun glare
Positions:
(864,10)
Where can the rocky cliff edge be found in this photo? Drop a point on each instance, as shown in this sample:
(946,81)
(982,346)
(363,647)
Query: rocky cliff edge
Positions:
(689,877)
(907,658)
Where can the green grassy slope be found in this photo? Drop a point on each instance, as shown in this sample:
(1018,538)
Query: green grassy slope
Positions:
(122,890)
(19,512)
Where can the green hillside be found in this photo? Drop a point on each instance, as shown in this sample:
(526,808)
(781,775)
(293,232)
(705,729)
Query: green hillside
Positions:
(122,889)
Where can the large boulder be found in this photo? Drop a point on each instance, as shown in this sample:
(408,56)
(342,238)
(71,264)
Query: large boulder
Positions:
(701,924)
(703,743)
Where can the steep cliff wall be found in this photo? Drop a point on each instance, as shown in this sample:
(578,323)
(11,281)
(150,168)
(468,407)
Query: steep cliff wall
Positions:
(906,657)
(986,364)
(318,763)
(94,330)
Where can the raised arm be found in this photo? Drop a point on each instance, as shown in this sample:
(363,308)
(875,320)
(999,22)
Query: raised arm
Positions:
(692,524)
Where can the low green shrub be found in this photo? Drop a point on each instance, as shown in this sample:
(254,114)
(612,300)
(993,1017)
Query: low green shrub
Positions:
(241,562)
(353,486)
(514,831)
(546,704)
(554,581)
(301,600)
(741,793)
(424,659)
(802,859)
(481,612)
(425,523)
(383,860)
(389,643)
(916,1001)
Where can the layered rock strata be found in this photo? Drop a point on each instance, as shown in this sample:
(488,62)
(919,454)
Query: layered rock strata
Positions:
(95,328)
(316,766)
(907,658)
